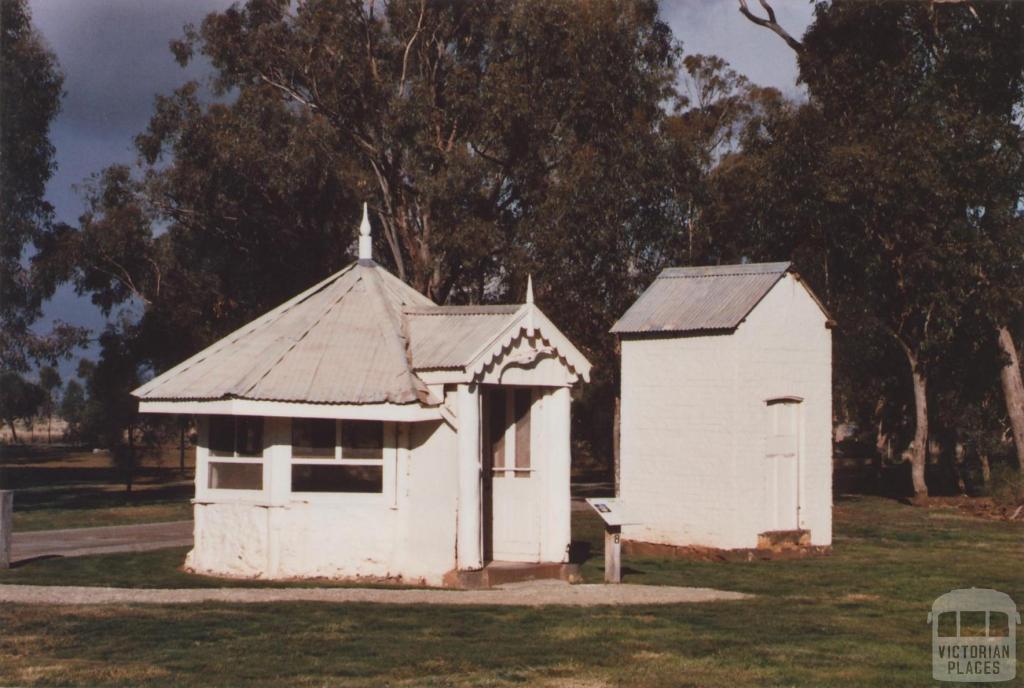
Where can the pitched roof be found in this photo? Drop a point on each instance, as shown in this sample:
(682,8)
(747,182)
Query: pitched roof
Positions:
(357,337)
(341,341)
(449,337)
(715,297)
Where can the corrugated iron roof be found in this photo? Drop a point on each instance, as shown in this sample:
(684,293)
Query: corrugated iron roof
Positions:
(356,338)
(339,342)
(447,337)
(715,297)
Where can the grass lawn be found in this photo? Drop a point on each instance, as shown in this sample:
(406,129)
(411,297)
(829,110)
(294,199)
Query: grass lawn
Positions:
(60,487)
(855,618)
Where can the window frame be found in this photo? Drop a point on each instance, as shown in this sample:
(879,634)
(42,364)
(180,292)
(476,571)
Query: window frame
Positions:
(510,467)
(340,460)
(213,457)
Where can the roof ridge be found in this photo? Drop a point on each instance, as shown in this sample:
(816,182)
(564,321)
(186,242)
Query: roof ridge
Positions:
(468,309)
(700,271)
(417,386)
(295,342)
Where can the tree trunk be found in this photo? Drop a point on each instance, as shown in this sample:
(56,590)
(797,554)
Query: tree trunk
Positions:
(882,444)
(1013,392)
(986,470)
(919,448)
(14,432)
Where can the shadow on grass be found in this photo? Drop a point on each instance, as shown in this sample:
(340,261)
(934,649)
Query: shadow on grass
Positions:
(79,498)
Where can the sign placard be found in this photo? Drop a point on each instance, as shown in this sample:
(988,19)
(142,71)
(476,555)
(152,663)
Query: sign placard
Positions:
(611,510)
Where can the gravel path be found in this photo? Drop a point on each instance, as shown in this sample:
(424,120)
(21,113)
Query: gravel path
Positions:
(530,594)
(76,542)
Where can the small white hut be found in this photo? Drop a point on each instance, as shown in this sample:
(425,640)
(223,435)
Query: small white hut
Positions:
(726,411)
(360,430)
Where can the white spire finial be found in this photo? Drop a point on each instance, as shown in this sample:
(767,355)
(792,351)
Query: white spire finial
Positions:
(529,289)
(365,240)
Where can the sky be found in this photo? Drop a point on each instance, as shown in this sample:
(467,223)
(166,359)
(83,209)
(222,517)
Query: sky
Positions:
(116,60)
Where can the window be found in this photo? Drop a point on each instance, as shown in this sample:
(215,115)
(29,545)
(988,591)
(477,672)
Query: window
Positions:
(313,438)
(328,459)
(524,400)
(238,440)
(495,401)
(507,414)
(362,439)
(236,436)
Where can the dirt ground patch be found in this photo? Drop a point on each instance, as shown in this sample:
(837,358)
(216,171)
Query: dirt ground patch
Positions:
(980,507)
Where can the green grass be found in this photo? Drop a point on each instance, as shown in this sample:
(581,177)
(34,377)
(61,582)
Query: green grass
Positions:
(154,569)
(854,618)
(55,519)
(58,487)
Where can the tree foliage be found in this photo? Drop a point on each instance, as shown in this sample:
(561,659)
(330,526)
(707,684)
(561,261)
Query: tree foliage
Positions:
(898,184)
(30,95)
(577,143)
(20,400)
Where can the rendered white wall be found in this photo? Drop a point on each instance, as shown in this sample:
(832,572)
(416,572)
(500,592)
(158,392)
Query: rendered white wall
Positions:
(406,532)
(693,419)
(676,461)
(786,350)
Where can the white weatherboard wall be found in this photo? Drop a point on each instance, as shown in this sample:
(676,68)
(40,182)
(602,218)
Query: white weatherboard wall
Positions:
(406,532)
(693,424)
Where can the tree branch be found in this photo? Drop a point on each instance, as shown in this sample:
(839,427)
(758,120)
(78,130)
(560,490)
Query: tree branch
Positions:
(770,23)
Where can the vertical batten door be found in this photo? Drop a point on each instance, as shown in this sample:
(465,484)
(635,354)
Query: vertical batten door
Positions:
(469,545)
(558,455)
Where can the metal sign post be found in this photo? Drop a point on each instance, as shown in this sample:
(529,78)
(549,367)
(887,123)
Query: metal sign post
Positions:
(6,526)
(612,512)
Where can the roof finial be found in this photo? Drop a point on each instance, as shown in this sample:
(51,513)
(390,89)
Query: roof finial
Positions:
(365,240)
(529,289)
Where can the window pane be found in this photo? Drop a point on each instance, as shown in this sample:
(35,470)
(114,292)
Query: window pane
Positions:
(362,439)
(972,624)
(523,400)
(947,625)
(335,478)
(236,476)
(496,426)
(249,435)
(313,438)
(222,435)
(998,625)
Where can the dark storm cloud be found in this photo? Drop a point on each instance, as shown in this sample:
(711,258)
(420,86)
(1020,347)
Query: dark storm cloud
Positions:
(115,57)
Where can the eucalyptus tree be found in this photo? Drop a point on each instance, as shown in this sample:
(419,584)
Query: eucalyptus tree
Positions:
(492,140)
(30,96)
(910,146)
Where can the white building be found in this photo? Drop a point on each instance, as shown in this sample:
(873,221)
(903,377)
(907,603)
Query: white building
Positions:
(359,430)
(726,409)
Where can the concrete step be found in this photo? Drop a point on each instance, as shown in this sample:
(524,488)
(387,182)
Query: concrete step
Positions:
(783,539)
(497,573)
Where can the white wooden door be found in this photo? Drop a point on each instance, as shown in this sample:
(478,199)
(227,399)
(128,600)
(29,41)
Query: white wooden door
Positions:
(512,487)
(782,464)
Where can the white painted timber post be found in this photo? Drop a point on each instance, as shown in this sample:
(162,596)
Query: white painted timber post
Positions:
(613,554)
(559,452)
(6,526)
(469,543)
